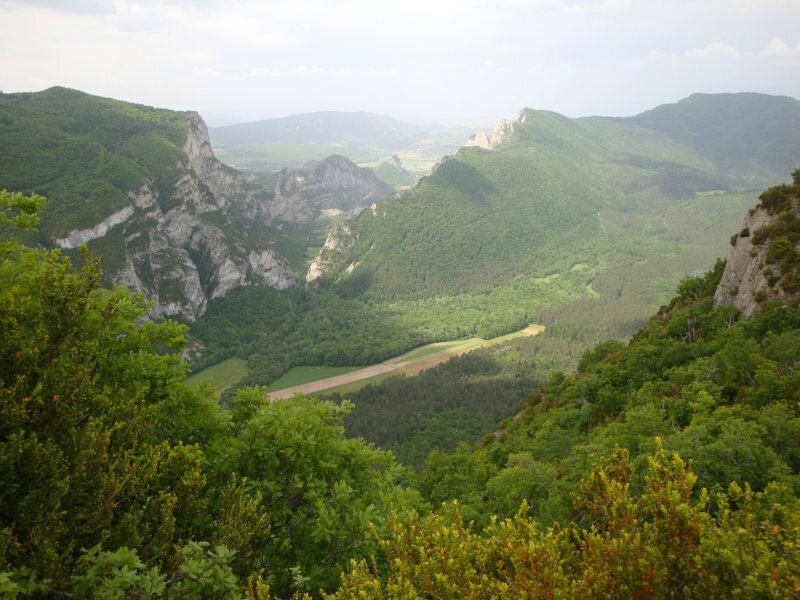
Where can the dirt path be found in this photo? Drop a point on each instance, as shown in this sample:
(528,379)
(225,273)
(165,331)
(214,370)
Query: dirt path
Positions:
(324,384)
(406,364)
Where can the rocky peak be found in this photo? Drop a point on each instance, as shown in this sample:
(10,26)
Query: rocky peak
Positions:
(502,132)
(174,255)
(340,238)
(394,162)
(764,261)
(479,140)
(334,183)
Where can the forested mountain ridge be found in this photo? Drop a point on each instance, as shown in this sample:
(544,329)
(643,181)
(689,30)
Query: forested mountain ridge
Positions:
(667,467)
(582,225)
(553,175)
(751,138)
(143,188)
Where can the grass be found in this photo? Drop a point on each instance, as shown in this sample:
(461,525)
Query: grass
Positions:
(410,363)
(357,385)
(307,374)
(222,375)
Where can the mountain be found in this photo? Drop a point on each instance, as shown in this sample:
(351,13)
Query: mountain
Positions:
(581,225)
(326,127)
(555,190)
(142,187)
(751,138)
(363,137)
(333,185)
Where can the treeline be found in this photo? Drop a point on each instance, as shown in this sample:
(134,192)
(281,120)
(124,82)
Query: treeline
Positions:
(453,403)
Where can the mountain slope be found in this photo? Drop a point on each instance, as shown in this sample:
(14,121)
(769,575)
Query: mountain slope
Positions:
(749,137)
(548,197)
(143,188)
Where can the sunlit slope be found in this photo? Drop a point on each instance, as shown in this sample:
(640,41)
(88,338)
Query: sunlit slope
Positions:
(560,192)
(85,153)
(751,138)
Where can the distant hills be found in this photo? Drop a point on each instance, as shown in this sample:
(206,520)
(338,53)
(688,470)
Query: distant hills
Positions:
(325,127)
(749,137)
(363,137)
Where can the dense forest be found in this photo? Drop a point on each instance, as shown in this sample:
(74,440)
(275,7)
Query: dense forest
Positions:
(667,467)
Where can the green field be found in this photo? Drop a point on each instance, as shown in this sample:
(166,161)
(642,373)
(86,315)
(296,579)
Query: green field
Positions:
(306,374)
(410,363)
(357,385)
(222,375)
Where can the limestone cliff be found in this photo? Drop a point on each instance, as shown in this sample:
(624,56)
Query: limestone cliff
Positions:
(764,262)
(177,245)
(479,140)
(332,184)
(339,239)
(502,131)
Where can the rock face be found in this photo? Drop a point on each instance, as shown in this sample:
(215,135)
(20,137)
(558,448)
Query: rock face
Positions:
(479,140)
(334,183)
(749,279)
(339,240)
(176,248)
(394,162)
(502,132)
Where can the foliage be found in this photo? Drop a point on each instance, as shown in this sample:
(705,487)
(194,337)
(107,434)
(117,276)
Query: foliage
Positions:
(117,480)
(20,211)
(85,153)
(661,543)
(782,236)
(713,387)
(449,404)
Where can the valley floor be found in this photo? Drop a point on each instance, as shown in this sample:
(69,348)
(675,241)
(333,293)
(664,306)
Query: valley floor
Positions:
(410,363)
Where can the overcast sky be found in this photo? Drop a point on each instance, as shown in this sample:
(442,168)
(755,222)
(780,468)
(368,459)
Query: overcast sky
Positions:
(466,61)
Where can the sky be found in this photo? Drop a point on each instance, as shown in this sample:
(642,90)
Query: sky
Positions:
(469,62)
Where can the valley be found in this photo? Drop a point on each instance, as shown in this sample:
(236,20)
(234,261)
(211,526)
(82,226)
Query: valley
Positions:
(309,379)
(364,389)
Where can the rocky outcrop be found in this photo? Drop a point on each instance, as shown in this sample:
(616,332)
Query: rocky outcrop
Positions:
(78,237)
(394,162)
(751,275)
(178,250)
(444,160)
(335,182)
(339,240)
(502,132)
(479,140)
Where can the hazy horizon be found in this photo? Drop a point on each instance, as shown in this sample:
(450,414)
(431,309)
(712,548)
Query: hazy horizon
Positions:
(459,63)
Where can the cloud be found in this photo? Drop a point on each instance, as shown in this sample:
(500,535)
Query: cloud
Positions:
(85,7)
(777,48)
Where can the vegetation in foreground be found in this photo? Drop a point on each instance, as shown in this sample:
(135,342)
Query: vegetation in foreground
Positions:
(120,481)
